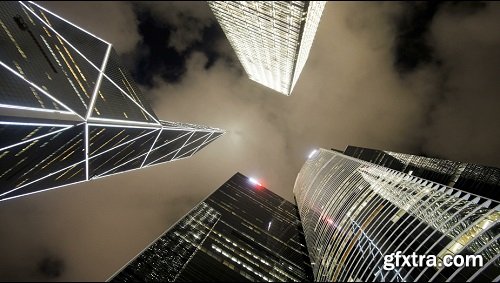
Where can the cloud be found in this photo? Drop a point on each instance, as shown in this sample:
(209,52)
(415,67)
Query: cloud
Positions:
(465,123)
(223,97)
(51,267)
(187,20)
(350,93)
(349,87)
(114,22)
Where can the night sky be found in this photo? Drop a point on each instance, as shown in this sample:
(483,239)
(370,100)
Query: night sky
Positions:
(419,78)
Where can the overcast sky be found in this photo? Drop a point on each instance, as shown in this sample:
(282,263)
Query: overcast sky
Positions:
(415,78)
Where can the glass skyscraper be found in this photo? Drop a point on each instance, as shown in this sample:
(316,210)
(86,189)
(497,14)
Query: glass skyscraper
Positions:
(356,213)
(69,112)
(241,232)
(272,39)
(481,180)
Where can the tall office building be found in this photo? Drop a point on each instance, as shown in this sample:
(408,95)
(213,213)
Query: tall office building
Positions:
(272,39)
(241,232)
(69,112)
(473,178)
(356,214)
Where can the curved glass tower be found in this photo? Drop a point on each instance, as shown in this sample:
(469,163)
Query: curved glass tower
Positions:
(358,217)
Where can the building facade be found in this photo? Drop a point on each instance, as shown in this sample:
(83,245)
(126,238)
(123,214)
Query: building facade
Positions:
(473,178)
(241,232)
(272,39)
(357,216)
(69,112)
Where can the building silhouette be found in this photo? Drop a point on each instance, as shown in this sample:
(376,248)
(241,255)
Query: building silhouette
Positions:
(241,232)
(355,213)
(272,39)
(69,112)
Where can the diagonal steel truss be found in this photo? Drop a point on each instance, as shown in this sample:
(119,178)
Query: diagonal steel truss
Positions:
(193,137)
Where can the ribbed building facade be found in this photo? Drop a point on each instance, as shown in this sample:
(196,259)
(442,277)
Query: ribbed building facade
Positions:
(272,39)
(241,232)
(355,213)
(69,112)
(477,179)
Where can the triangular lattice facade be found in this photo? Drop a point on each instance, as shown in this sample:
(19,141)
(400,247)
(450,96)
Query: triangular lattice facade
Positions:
(69,112)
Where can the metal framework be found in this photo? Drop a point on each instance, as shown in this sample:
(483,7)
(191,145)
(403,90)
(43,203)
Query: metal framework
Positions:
(354,213)
(92,121)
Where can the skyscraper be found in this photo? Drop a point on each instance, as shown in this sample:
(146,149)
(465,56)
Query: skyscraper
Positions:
(272,39)
(69,112)
(473,178)
(357,215)
(241,232)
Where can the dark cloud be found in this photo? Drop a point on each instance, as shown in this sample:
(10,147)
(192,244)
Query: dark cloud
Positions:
(187,20)
(351,91)
(155,58)
(412,48)
(51,267)
(465,124)
(169,32)
(465,8)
